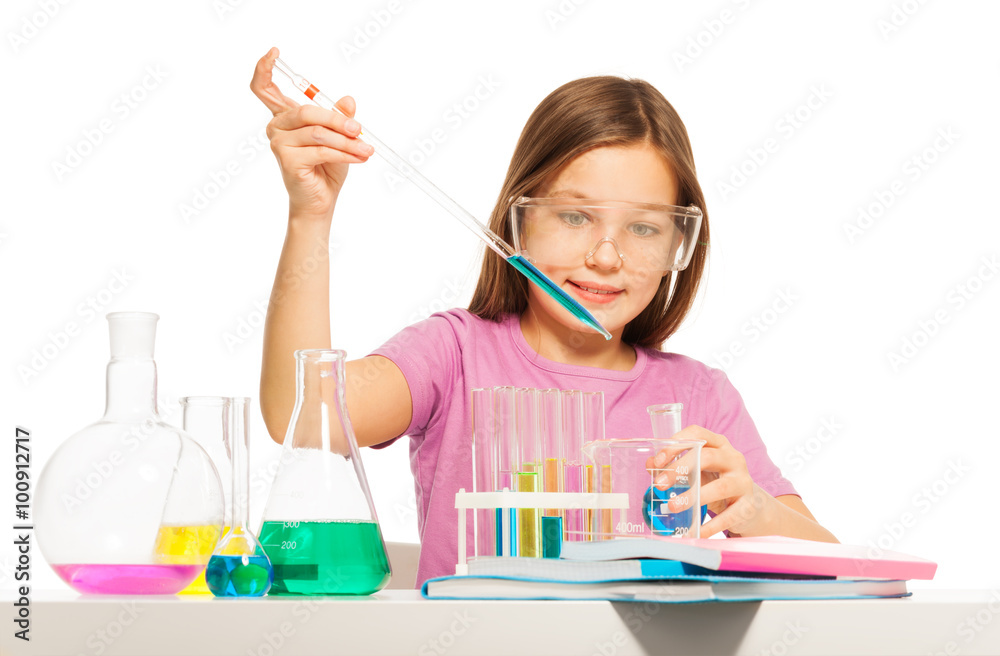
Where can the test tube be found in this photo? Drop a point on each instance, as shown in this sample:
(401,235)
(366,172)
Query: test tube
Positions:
(550,416)
(527,478)
(484,459)
(666,419)
(593,429)
(572,440)
(506,418)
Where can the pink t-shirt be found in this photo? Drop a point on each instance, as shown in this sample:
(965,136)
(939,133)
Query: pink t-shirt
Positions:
(450,353)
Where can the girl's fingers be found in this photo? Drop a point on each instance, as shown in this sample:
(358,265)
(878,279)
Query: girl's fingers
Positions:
(312,156)
(317,135)
(263,85)
(306,115)
(721,522)
(347,105)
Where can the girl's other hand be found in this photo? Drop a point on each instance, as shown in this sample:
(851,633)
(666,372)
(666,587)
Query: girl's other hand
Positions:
(313,145)
(740,505)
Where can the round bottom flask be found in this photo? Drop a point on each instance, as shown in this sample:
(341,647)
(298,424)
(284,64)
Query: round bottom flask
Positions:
(115,494)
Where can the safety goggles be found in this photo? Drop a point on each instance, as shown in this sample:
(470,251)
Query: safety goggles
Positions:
(644,236)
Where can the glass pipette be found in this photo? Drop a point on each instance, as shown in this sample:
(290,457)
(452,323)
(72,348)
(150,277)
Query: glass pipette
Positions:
(502,248)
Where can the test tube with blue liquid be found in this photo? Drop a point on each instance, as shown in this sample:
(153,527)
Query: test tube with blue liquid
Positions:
(506,417)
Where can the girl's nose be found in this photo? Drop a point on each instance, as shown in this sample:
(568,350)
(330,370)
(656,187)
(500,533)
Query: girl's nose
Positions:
(606,254)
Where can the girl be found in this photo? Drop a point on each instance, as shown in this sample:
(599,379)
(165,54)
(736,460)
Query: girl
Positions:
(601,138)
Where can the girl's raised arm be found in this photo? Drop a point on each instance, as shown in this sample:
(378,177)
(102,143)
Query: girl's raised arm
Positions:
(314,147)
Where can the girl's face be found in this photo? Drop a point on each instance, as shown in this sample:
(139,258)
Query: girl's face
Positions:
(613,290)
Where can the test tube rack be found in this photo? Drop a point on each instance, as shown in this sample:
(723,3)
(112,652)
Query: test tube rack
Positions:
(506,500)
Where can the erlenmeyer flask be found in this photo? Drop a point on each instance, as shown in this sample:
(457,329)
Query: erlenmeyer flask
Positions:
(111,493)
(319,527)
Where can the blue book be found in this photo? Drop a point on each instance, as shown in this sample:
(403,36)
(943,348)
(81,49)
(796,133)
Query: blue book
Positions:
(691,589)
(645,580)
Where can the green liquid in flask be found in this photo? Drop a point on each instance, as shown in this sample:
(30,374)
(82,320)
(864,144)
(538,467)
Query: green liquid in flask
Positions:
(325,558)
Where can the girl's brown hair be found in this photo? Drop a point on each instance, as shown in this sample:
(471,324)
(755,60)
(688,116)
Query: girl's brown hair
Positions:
(579,116)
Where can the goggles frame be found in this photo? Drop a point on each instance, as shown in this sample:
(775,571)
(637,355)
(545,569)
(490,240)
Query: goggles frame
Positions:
(688,213)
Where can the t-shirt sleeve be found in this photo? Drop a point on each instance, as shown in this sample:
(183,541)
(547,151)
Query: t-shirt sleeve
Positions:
(429,355)
(727,415)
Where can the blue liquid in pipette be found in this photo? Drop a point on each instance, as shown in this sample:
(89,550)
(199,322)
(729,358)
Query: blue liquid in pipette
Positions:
(553,290)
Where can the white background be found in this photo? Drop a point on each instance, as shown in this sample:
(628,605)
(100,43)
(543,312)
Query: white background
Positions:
(913,439)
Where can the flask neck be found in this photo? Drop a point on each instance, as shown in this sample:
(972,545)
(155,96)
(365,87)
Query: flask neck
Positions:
(131,388)
(319,419)
(238,441)
(131,377)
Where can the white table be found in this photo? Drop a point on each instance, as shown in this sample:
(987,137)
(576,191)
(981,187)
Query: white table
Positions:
(400,622)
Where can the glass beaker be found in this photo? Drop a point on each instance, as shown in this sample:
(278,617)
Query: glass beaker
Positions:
(628,466)
(239,567)
(110,493)
(319,526)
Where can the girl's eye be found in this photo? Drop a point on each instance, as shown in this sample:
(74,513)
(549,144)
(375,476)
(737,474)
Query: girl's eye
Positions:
(643,230)
(574,219)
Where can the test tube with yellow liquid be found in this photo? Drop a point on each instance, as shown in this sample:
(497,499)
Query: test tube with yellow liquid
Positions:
(529,470)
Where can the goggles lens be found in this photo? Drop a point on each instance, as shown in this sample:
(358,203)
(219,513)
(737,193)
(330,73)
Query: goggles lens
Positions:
(563,231)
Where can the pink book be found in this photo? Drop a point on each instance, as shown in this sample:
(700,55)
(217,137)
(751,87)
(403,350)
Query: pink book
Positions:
(771,554)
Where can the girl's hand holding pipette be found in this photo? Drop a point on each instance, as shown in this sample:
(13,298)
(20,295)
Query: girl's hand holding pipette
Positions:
(313,146)
(740,506)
